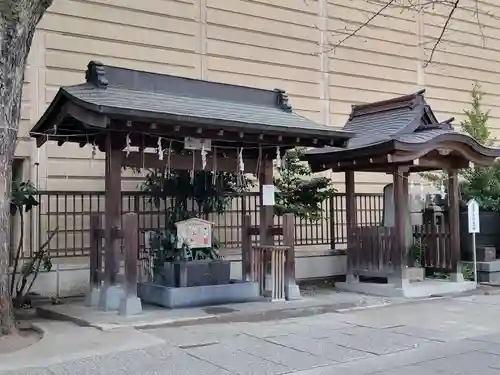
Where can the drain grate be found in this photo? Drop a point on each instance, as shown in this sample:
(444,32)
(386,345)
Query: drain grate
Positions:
(200,345)
(219,310)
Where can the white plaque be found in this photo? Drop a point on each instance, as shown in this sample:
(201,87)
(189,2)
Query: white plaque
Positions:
(268,195)
(194,232)
(473,216)
(191,143)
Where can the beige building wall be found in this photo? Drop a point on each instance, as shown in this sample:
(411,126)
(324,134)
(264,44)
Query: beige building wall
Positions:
(261,43)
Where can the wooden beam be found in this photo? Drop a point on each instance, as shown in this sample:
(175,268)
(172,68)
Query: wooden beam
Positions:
(225,133)
(185,162)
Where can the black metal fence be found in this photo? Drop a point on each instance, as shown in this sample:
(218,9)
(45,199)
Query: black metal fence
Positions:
(68,213)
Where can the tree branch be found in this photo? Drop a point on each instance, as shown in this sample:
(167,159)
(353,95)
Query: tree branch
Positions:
(363,25)
(443,30)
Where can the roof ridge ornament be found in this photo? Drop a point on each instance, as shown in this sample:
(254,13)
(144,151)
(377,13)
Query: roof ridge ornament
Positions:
(96,74)
(283,100)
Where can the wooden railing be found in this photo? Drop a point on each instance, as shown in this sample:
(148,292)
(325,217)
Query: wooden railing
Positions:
(372,250)
(269,270)
(436,243)
(271,266)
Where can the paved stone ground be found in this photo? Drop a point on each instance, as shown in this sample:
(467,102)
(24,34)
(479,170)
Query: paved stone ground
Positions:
(445,336)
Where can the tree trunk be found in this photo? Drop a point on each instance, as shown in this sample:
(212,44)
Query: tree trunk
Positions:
(18,20)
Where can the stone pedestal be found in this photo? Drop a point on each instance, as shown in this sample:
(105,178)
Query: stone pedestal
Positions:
(109,297)
(92,297)
(292,292)
(130,306)
(486,253)
(415,274)
(488,272)
(205,295)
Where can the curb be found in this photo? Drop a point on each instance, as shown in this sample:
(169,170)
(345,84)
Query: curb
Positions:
(232,317)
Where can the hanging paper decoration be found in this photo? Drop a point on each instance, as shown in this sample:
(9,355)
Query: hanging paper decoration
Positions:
(214,166)
(442,190)
(128,143)
(278,156)
(203,157)
(411,189)
(191,172)
(94,150)
(259,160)
(240,178)
(241,163)
(168,157)
(160,149)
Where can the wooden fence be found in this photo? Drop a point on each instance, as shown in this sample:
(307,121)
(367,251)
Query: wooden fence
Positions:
(70,212)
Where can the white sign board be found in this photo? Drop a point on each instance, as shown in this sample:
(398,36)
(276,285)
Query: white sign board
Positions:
(197,143)
(473,216)
(268,195)
(195,233)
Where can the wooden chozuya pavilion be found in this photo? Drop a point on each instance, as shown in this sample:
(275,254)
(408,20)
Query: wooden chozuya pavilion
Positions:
(399,136)
(228,128)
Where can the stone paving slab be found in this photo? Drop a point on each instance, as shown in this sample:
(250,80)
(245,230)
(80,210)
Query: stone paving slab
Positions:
(292,358)
(399,360)
(374,341)
(471,362)
(321,348)
(144,362)
(64,341)
(236,361)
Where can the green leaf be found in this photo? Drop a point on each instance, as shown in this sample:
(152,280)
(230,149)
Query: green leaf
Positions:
(299,192)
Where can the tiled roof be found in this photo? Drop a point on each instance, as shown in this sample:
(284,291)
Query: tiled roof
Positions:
(156,104)
(144,96)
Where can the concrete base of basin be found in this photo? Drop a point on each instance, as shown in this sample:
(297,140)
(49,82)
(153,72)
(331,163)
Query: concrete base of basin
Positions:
(198,295)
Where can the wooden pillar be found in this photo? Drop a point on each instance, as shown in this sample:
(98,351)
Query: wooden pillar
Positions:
(95,266)
(131,251)
(350,217)
(130,304)
(289,242)
(111,293)
(246,249)
(292,291)
(266,212)
(333,223)
(112,217)
(453,203)
(95,250)
(399,222)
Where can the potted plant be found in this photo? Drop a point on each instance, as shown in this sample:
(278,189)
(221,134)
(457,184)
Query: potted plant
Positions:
(416,270)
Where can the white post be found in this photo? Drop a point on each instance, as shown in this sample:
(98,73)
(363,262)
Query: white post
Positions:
(473,216)
(474,259)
